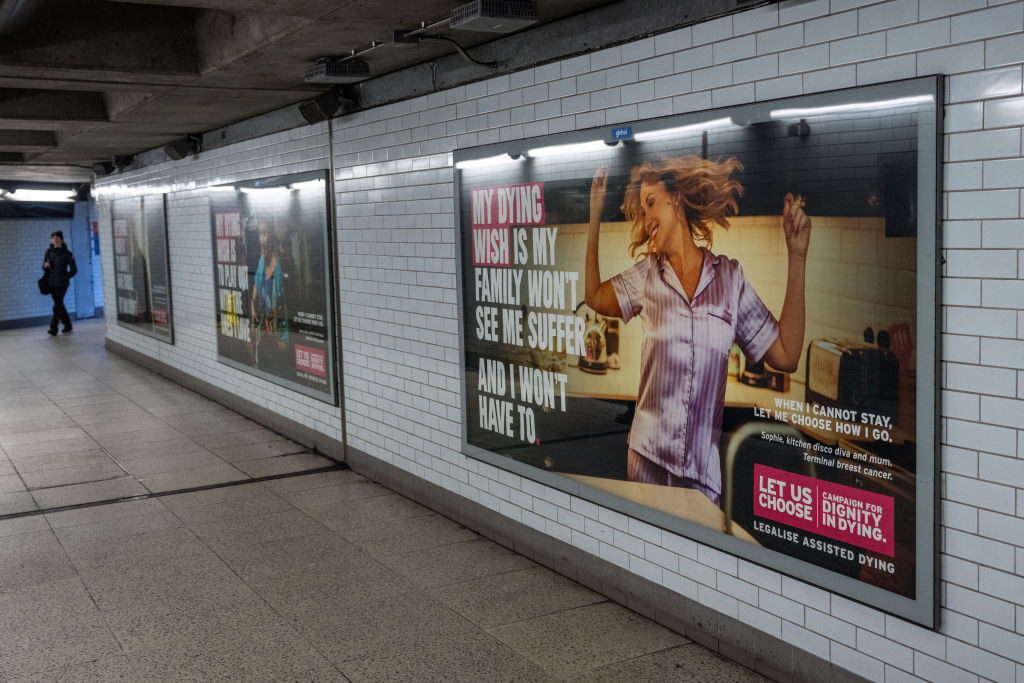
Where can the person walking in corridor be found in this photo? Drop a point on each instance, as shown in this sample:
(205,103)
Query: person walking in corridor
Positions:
(60,264)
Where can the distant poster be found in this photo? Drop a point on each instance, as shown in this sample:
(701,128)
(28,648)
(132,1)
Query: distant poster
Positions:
(272,279)
(142,279)
(724,324)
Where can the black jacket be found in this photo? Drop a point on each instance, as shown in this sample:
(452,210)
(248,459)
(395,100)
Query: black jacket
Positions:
(62,266)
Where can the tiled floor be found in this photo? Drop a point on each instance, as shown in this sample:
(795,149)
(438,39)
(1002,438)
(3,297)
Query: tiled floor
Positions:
(79,425)
(318,577)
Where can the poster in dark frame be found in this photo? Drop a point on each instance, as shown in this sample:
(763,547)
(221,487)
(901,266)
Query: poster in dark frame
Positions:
(142,273)
(272,269)
(824,469)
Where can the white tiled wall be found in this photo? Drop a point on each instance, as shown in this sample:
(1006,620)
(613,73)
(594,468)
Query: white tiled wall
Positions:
(22,245)
(189,237)
(397,250)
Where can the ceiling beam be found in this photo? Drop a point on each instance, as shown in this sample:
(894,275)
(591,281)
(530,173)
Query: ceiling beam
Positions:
(26,138)
(89,38)
(22,104)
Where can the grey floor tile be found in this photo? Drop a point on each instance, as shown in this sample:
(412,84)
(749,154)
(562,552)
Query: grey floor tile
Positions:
(11,483)
(62,643)
(104,513)
(323,495)
(6,466)
(250,506)
(108,669)
(43,420)
(42,603)
(170,462)
(181,407)
(151,547)
(177,443)
(515,596)
(138,438)
(586,638)
(251,435)
(122,411)
(78,535)
(23,525)
(90,469)
(32,558)
(228,494)
(78,444)
(75,494)
(309,584)
(456,563)
(236,423)
(257,661)
(200,476)
(470,657)
(686,663)
(59,460)
(49,436)
(235,533)
(262,449)
(90,404)
(135,588)
(372,510)
(314,481)
(408,535)
(13,503)
(120,425)
(366,627)
(283,464)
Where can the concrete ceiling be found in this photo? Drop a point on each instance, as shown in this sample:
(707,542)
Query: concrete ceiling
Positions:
(82,81)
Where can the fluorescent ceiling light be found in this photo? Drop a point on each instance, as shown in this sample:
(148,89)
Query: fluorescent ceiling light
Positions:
(852,107)
(263,190)
(488,161)
(22,195)
(684,130)
(577,148)
(306,184)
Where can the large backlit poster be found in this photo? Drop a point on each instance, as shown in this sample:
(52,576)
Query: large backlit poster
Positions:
(142,279)
(272,279)
(723,323)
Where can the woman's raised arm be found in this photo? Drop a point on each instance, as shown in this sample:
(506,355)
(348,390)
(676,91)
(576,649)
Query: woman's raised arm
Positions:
(600,296)
(785,353)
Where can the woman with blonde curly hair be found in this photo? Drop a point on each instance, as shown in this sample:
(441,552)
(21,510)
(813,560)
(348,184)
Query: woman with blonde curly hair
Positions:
(694,305)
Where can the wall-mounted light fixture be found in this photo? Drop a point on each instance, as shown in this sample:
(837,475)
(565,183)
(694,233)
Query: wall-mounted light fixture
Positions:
(684,130)
(797,113)
(510,158)
(575,148)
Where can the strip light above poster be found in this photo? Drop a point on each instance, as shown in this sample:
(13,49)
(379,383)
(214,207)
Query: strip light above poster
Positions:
(779,402)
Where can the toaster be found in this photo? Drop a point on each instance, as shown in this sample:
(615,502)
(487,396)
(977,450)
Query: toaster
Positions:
(852,375)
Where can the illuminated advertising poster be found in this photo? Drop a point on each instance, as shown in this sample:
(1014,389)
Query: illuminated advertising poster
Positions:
(141,270)
(722,323)
(272,278)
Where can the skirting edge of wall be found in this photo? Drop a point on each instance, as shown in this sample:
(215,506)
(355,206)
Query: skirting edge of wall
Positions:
(731,638)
